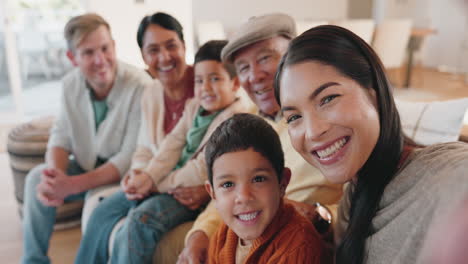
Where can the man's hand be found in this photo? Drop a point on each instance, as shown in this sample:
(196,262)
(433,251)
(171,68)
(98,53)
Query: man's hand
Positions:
(191,197)
(54,187)
(196,250)
(137,185)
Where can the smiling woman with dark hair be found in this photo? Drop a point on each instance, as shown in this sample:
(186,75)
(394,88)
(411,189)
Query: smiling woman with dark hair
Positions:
(342,119)
(150,216)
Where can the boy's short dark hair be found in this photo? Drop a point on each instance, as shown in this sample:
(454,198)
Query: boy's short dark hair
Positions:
(241,132)
(211,50)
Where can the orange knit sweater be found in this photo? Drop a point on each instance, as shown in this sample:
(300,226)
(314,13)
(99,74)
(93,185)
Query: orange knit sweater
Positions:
(290,238)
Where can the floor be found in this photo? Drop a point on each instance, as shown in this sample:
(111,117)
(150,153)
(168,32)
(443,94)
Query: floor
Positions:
(64,244)
(427,85)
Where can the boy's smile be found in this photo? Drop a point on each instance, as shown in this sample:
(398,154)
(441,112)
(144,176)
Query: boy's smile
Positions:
(246,192)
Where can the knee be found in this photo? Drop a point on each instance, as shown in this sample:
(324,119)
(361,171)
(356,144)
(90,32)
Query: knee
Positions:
(137,215)
(32,180)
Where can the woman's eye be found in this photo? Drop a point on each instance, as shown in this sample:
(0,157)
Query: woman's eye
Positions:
(171,46)
(328,99)
(292,118)
(227,185)
(259,179)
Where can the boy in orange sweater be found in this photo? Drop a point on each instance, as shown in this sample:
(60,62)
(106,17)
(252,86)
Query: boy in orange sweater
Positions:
(247,182)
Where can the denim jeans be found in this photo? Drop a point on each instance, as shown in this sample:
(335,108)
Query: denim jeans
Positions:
(135,242)
(38,219)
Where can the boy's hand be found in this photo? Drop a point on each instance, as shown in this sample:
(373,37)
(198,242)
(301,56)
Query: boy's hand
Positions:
(191,197)
(195,252)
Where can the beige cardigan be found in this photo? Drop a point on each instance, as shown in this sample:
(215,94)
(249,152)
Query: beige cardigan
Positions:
(150,136)
(165,156)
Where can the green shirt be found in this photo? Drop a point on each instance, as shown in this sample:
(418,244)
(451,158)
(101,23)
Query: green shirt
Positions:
(195,135)
(100,111)
(99,108)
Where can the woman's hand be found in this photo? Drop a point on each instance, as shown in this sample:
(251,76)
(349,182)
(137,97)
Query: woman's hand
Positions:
(137,185)
(191,197)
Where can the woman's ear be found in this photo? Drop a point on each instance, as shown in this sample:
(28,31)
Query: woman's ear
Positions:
(210,190)
(373,97)
(285,180)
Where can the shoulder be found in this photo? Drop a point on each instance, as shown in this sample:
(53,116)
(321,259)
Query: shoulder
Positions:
(298,232)
(438,172)
(191,107)
(448,157)
(153,91)
(73,80)
(130,74)
(299,241)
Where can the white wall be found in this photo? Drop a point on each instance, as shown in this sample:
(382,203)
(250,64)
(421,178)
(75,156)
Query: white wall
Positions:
(233,12)
(124,17)
(448,18)
(360,9)
(445,48)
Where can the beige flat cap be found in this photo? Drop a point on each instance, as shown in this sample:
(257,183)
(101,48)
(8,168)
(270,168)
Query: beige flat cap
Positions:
(259,28)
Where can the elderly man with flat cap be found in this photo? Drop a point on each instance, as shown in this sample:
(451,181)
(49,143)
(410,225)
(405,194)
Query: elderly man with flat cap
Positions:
(255,49)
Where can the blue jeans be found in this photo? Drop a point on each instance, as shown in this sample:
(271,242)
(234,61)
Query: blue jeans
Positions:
(38,219)
(135,242)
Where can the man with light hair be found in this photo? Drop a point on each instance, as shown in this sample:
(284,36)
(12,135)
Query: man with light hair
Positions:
(94,134)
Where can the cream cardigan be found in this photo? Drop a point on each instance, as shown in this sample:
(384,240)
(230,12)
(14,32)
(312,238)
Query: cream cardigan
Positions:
(151,132)
(115,139)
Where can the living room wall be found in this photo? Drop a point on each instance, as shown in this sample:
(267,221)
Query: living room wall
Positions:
(124,17)
(231,13)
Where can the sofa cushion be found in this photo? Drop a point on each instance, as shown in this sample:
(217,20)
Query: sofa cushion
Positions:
(432,122)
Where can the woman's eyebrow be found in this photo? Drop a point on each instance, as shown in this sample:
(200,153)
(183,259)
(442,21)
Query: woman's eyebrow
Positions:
(321,88)
(312,96)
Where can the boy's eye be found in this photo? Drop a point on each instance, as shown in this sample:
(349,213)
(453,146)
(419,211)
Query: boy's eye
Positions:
(215,79)
(198,81)
(259,179)
(292,118)
(328,99)
(226,185)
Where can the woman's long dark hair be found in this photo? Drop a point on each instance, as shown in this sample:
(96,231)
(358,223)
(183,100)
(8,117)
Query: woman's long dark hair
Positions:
(351,56)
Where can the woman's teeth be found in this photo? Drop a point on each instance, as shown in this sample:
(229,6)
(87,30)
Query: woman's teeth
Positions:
(331,149)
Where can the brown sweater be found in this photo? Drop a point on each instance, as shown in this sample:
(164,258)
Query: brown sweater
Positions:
(290,238)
